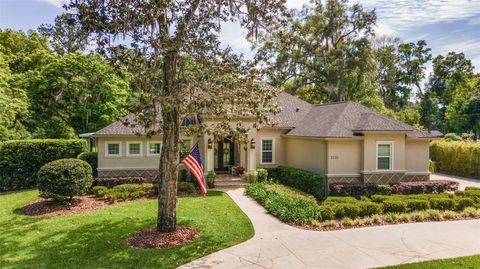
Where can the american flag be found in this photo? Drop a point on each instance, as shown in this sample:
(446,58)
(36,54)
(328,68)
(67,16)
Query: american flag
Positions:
(193,162)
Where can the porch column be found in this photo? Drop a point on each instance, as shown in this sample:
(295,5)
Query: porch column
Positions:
(208,166)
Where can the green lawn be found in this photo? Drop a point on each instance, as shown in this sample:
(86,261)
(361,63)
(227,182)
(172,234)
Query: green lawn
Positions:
(469,262)
(96,239)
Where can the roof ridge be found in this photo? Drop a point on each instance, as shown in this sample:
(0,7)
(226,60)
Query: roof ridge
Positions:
(340,115)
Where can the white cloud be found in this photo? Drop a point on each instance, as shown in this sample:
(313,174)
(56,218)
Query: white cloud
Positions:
(57,3)
(407,14)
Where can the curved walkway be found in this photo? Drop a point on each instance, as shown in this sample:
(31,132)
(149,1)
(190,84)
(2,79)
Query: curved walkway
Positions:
(277,245)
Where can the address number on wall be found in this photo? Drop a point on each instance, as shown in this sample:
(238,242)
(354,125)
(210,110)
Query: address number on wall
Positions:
(334,157)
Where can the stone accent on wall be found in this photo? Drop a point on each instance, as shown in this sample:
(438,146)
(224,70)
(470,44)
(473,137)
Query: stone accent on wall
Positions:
(416,177)
(391,178)
(127,173)
(344,179)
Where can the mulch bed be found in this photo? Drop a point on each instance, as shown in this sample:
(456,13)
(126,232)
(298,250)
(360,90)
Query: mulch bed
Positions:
(150,238)
(47,208)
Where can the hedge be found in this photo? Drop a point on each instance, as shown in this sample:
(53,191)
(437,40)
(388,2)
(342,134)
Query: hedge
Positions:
(306,181)
(20,160)
(456,157)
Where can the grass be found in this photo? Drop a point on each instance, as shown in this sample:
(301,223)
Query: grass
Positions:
(97,239)
(469,262)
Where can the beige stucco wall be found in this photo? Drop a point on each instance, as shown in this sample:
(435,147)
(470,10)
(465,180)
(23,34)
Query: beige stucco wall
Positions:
(279,146)
(308,154)
(345,157)
(370,148)
(129,162)
(417,156)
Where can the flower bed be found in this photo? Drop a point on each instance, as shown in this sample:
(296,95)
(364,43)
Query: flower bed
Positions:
(301,209)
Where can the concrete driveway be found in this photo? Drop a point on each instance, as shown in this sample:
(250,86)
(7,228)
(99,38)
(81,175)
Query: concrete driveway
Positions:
(464,181)
(277,245)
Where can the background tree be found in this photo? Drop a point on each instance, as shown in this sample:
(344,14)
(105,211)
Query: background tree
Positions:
(430,110)
(65,35)
(180,70)
(463,113)
(323,54)
(413,57)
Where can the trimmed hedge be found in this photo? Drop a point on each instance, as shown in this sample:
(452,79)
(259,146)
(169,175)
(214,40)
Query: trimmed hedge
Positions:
(91,158)
(430,186)
(62,179)
(20,160)
(115,181)
(456,157)
(306,181)
(358,190)
(286,207)
(124,192)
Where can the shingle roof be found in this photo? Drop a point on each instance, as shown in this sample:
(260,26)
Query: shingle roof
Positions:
(293,110)
(337,120)
(343,120)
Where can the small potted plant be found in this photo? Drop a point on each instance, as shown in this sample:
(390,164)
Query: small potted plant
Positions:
(239,170)
(211,176)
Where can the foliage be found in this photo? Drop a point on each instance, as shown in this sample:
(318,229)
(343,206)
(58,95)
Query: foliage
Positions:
(186,188)
(91,158)
(323,54)
(462,113)
(430,115)
(432,166)
(285,205)
(452,137)
(124,191)
(64,178)
(102,233)
(110,182)
(428,186)
(458,158)
(300,179)
(357,190)
(290,192)
(262,174)
(252,177)
(20,160)
(211,176)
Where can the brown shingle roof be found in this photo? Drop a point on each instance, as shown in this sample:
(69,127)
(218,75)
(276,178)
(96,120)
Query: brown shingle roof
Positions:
(337,120)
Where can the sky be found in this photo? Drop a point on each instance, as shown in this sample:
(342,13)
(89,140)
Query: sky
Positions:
(446,25)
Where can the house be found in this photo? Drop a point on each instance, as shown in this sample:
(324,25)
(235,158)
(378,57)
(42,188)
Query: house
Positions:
(346,142)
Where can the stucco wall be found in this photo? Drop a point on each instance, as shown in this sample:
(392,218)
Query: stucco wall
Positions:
(128,162)
(417,155)
(370,148)
(345,157)
(308,154)
(279,146)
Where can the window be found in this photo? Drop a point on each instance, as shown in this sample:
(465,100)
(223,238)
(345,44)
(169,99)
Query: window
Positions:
(113,149)
(154,148)
(384,155)
(267,151)
(134,149)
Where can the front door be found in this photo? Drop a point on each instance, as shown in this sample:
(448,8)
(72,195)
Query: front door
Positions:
(224,155)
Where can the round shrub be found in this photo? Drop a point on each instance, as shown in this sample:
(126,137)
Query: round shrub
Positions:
(463,203)
(99,191)
(394,206)
(369,208)
(346,210)
(91,159)
(62,179)
(326,212)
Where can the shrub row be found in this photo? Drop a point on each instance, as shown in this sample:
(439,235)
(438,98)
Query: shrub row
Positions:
(456,157)
(20,160)
(115,181)
(124,192)
(430,186)
(284,204)
(303,180)
(414,187)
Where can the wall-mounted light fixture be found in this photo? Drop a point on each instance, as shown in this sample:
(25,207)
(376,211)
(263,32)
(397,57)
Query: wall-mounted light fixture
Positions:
(252,143)
(209,143)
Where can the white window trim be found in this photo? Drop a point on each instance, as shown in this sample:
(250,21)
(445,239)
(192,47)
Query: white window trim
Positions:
(119,149)
(148,148)
(273,150)
(391,143)
(128,148)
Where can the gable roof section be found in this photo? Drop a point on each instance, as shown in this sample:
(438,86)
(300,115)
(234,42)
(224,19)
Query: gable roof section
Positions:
(293,110)
(343,120)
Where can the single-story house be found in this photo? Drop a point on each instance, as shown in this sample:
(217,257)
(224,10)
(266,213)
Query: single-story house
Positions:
(346,142)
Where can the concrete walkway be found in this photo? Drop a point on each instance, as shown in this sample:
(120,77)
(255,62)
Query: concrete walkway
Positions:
(464,181)
(277,245)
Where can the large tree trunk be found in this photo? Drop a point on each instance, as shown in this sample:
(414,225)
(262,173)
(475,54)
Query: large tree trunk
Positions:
(169,158)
